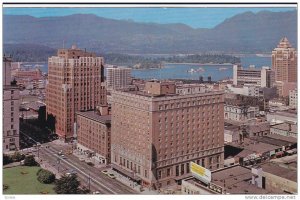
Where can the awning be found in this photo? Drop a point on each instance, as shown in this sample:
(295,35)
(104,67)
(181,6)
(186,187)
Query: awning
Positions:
(125,172)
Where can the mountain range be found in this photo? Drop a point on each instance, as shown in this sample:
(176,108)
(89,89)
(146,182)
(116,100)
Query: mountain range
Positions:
(243,33)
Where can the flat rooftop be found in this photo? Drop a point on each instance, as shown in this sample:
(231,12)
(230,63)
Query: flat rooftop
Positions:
(276,140)
(286,127)
(234,180)
(280,171)
(105,119)
(256,146)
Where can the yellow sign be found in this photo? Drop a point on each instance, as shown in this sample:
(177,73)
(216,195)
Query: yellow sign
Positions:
(200,173)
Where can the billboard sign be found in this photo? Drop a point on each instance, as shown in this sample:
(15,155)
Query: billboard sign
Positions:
(200,173)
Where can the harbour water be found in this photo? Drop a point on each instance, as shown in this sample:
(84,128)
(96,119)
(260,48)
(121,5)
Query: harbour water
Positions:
(180,71)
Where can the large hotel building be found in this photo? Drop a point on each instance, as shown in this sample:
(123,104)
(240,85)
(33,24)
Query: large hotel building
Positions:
(118,77)
(156,133)
(11,103)
(75,83)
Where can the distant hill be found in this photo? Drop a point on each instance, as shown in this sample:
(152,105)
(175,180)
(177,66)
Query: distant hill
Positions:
(243,33)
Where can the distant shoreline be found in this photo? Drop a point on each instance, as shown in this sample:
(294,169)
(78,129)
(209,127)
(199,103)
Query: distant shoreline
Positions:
(223,64)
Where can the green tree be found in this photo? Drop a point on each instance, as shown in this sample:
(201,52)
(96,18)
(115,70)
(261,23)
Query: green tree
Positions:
(30,161)
(51,122)
(67,185)
(7,159)
(42,116)
(17,157)
(45,176)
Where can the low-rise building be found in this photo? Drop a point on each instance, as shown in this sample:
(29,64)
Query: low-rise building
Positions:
(238,111)
(230,180)
(285,129)
(293,98)
(275,178)
(93,135)
(282,116)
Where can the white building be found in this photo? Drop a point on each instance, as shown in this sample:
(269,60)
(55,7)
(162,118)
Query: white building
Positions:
(252,76)
(240,112)
(118,77)
(186,89)
(281,116)
(293,97)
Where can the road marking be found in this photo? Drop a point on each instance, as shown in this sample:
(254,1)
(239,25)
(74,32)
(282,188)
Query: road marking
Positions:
(83,172)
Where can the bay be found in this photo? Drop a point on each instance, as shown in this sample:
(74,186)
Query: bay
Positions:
(180,71)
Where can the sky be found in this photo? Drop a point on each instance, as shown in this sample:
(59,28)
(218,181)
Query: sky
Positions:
(194,17)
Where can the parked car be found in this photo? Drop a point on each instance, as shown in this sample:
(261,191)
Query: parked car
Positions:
(81,159)
(105,172)
(111,176)
(96,192)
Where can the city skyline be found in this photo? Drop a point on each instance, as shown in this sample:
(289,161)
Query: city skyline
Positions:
(193,17)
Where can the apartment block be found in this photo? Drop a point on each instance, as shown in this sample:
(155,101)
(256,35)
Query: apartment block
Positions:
(118,77)
(75,83)
(156,133)
(11,102)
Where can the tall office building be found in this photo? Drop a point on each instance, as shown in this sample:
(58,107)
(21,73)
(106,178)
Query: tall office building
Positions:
(75,83)
(156,133)
(253,76)
(11,102)
(118,77)
(284,62)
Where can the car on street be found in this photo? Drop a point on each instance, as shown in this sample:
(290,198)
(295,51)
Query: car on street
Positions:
(96,192)
(63,156)
(105,172)
(81,159)
(111,176)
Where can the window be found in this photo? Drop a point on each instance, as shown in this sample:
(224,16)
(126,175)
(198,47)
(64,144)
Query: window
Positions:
(139,169)
(168,171)
(146,173)
(177,170)
(159,174)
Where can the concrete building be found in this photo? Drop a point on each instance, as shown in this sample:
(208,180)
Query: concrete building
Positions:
(284,62)
(293,98)
(283,88)
(239,112)
(275,178)
(185,89)
(156,133)
(93,135)
(75,83)
(230,180)
(11,102)
(253,77)
(282,116)
(285,129)
(118,77)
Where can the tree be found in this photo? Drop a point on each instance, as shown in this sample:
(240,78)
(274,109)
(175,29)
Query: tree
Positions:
(45,176)
(7,159)
(51,122)
(67,185)
(17,157)
(42,116)
(30,161)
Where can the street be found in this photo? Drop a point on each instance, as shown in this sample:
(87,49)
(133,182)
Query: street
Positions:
(89,176)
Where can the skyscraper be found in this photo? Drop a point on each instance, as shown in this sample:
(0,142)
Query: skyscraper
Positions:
(11,102)
(75,83)
(284,62)
(156,132)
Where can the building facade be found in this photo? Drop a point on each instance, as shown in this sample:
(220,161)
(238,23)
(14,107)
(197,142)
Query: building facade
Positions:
(156,135)
(118,77)
(253,77)
(284,62)
(293,98)
(240,112)
(93,135)
(11,103)
(75,83)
